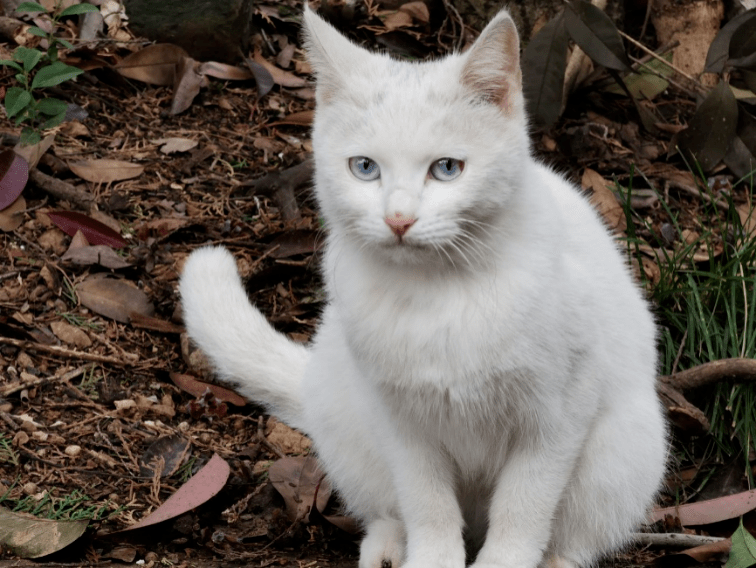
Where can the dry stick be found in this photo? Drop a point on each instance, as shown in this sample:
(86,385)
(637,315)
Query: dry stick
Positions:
(676,69)
(280,185)
(676,540)
(70,353)
(738,369)
(61,189)
(15,387)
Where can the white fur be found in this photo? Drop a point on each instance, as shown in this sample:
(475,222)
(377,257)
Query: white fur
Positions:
(488,378)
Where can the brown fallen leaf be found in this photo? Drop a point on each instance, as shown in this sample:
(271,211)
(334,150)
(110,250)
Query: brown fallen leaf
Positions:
(95,254)
(113,298)
(32,537)
(303,118)
(155,64)
(280,77)
(155,324)
(188,83)
(105,170)
(34,152)
(698,555)
(165,455)
(197,388)
(12,216)
(604,200)
(300,481)
(203,485)
(70,334)
(172,145)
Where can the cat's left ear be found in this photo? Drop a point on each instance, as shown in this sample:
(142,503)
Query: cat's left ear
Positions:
(492,66)
(330,54)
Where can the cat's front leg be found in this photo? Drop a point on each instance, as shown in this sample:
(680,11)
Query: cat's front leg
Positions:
(525,500)
(429,507)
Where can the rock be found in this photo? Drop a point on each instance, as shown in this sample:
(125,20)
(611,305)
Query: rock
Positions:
(206,29)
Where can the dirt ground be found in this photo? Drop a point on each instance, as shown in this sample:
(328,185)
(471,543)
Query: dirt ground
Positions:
(90,400)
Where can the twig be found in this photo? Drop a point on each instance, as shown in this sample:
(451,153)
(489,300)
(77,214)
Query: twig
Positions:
(675,540)
(676,69)
(62,351)
(737,369)
(280,185)
(15,387)
(61,189)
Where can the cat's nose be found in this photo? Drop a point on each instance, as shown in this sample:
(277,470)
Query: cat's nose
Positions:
(399,224)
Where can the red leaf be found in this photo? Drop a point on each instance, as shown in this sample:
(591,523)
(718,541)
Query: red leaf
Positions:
(14,173)
(203,485)
(710,511)
(97,233)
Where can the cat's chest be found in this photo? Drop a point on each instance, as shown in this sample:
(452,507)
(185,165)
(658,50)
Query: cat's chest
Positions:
(450,335)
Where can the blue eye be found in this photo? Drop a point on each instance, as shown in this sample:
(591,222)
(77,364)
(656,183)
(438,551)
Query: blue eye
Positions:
(446,169)
(364,168)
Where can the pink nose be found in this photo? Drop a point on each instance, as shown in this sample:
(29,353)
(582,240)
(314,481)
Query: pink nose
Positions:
(399,225)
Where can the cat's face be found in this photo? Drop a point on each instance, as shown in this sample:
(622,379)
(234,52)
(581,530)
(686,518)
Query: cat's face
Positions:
(414,161)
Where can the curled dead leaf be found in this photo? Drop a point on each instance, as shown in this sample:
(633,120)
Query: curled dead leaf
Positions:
(113,298)
(105,170)
(31,537)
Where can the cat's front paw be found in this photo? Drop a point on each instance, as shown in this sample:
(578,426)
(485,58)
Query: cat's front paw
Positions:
(383,545)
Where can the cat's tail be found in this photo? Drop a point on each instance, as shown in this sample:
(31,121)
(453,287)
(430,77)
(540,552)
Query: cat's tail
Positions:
(244,348)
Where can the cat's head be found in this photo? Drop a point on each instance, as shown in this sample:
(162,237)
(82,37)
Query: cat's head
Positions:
(418,161)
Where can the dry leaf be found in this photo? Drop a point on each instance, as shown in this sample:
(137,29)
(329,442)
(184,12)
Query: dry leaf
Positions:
(31,537)
(105,170)
(604,200)
(418,11)
(188,83)
(280,77)
(116,299)
(70,334)
(165,455)
(198,388)
(710,511)
(301,483)
(94,254)
(203,485)
(224,71)
(34,152)
(12,216)
(288,439)
(171,145)
(155,64)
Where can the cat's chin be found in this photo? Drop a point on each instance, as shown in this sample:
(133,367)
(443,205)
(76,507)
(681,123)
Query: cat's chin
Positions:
(409,253)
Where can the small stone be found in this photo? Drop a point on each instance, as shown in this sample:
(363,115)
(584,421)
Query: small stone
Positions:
(29,488)
(72,451)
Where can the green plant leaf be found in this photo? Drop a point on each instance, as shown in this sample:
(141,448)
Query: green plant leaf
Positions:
(39,32)
(51,107)
(743,551)
(719,50)
(11,64)
(54,121)
(543,65)
(712,128)
(78,9)
(30,137)
(65,43)
(16,100)
(54,74)
(596,34)
(742,49)
(30,7)
(28,57)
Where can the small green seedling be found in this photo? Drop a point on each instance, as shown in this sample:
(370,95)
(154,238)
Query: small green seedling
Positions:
(38,70)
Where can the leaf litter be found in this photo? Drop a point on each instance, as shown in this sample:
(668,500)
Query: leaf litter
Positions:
(116,400)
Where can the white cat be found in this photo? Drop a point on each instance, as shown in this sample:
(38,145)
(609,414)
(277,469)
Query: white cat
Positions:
(483,375)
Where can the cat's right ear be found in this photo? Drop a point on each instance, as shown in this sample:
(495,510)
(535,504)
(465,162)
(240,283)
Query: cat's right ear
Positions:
(330,54)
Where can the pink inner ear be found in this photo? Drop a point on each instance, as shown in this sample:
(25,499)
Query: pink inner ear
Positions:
(493,65)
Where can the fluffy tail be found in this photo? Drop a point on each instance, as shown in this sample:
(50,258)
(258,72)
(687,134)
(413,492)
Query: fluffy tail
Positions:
(245,350)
